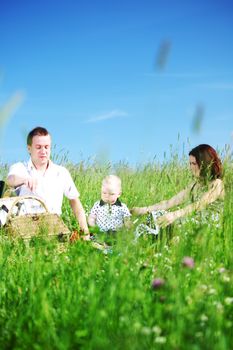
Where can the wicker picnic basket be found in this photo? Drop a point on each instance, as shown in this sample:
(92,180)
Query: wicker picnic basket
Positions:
(30,225)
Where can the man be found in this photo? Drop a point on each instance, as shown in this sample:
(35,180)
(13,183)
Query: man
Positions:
(41,177)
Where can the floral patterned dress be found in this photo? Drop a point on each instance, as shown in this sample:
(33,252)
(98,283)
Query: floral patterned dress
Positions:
(212,214)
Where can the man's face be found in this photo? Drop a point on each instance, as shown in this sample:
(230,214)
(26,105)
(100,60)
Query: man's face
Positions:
(110,195)
(40,150)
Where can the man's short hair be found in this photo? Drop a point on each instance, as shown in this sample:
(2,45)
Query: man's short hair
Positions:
(38,131)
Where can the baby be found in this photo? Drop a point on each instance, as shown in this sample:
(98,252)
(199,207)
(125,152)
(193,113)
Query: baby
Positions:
(109,214)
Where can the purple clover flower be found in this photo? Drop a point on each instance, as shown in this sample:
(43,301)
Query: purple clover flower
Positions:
(157,283)
(188,262)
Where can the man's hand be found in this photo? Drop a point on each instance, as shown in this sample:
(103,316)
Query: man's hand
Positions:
(75,236)
(86,237)
(31,183)
(16,181)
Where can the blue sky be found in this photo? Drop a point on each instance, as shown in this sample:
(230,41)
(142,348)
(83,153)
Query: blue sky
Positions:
(119,80)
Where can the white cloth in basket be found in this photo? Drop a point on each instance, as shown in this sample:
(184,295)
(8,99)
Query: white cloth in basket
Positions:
(29,206)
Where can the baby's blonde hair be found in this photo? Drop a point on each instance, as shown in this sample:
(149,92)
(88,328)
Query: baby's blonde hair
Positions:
(112,182)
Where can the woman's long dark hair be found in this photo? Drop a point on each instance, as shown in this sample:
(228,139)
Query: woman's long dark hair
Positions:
(208,161)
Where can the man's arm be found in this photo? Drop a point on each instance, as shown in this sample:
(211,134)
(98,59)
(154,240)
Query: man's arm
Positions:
(79,213)
(15,181)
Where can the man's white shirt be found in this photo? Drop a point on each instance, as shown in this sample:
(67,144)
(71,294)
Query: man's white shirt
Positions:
(52,185)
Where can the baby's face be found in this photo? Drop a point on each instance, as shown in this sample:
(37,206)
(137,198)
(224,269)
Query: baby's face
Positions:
(110,195)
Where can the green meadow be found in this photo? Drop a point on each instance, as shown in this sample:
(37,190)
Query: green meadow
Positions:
(72,296)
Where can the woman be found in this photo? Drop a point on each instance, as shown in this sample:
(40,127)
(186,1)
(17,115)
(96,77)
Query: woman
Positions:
(205,192)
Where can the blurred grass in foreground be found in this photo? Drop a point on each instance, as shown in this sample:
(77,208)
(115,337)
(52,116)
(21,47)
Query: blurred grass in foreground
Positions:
(55,296)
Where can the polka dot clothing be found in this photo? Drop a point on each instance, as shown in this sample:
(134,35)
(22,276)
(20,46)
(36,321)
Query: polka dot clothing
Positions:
(109,217)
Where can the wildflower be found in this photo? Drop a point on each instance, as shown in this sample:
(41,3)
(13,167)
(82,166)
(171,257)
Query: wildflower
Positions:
(212,291)
(188,262)
(176,239)
(160,340)
(167,267)
(221,270)
(144,266)
(167,260)
(226,278)
(189,300)
(136,326)
(218,305)
(204,287)
(228,300)
(146,330)
(123,319)
(199,334)
(204,318)
(157,330)
(158,283)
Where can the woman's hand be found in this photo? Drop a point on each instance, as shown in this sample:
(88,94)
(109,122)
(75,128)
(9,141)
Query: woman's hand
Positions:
(139,211)
(167,219)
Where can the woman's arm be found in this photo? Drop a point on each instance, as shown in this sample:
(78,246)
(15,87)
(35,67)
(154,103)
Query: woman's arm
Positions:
(164,205)
(216,191)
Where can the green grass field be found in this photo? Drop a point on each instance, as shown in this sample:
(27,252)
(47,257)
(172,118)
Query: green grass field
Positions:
(72,296)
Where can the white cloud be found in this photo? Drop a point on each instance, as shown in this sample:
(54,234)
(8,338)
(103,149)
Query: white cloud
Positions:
(106,116)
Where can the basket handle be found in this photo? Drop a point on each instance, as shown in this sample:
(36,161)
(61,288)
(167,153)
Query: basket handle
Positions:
(19,199)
